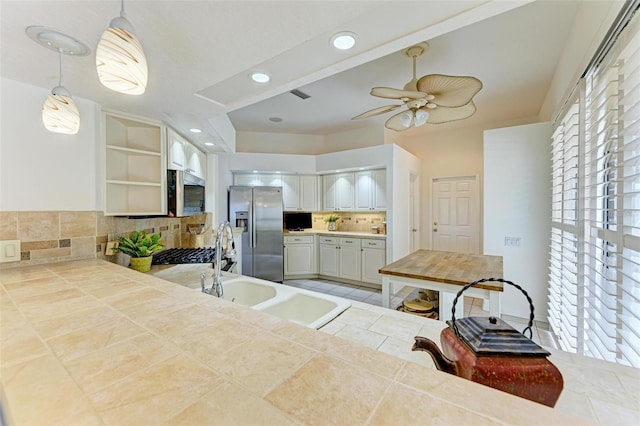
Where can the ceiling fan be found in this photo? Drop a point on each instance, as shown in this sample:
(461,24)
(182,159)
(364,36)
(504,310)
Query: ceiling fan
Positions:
(434,98)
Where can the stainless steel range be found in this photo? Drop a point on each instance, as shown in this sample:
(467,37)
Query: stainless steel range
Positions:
(176,256)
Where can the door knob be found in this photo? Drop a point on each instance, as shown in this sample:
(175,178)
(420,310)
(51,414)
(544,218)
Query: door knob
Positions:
(435,223)
(435,229)
(414,230)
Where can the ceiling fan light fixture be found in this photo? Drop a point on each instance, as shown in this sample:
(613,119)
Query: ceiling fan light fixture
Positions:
(344,40)
(421,117)
(406,118)
(120,60)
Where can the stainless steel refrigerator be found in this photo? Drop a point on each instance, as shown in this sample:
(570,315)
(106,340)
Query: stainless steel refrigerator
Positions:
(258,209)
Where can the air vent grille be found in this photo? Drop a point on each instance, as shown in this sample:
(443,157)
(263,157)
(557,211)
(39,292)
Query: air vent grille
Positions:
(299,94)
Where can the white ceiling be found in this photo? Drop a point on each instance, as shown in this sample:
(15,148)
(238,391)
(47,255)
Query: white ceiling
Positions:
(200,54)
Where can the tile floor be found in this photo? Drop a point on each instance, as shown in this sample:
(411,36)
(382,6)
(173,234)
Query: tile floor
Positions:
(473,306)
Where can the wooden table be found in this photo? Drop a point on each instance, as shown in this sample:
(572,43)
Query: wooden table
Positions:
(446,272)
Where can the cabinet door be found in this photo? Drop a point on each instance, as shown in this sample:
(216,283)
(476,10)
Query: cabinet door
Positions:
(328,260)
(196,161)
(350,261)
(298,259)
(379,190)
(176,156)
(344,191)
(244,180)
(291,192)
(363,191)
(372,261)
(308,191)
(329,192)
(268,180)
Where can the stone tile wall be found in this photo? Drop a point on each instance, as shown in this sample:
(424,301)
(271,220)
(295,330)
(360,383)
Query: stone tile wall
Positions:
(352,221)
(53,236)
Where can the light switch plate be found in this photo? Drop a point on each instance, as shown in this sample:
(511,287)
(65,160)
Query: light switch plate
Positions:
(9,251)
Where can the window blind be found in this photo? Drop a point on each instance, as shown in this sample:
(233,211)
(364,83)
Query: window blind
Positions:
(594,290)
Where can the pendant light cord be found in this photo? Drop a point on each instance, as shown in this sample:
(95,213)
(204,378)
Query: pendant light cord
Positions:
(122,8)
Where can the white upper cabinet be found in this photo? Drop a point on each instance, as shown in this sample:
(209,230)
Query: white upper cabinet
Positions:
(134,163)
(329,192)
(300,192)
(183,155)
(370,190)
(176,159)
(196,161)
(257,179)
(338,192)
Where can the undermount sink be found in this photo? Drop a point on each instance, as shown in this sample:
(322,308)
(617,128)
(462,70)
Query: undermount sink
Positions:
(298,305)
(248,293)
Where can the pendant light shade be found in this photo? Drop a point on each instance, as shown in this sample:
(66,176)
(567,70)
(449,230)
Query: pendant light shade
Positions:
(60,113)
(120,60)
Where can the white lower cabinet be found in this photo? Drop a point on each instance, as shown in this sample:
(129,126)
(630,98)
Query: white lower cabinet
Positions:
(300,255)
(373,258)
(340,257)
(352,259)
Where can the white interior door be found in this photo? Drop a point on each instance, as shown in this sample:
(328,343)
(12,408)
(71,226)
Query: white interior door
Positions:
(455,210)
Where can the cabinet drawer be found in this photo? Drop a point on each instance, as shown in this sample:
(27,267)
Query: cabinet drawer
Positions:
(350,242)
(373,243)
(301,239)
(328,240)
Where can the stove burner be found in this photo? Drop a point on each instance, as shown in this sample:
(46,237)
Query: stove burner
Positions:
(184,255)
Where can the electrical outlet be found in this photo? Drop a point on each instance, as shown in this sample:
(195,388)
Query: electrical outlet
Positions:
(9,251)
(512,241)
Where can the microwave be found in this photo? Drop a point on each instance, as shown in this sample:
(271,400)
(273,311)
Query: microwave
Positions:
(185,194)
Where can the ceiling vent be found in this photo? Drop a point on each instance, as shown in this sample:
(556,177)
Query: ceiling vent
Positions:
(299,94)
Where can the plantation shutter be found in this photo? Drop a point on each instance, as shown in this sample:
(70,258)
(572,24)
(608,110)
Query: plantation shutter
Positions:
(594,277)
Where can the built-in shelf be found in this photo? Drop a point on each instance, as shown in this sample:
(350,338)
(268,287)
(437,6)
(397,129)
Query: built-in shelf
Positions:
(135,172)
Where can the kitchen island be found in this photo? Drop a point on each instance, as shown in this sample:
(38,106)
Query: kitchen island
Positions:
(446,272)
(91,342)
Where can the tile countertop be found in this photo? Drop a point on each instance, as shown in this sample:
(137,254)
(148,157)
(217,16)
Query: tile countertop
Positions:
(337,234)
(91,342)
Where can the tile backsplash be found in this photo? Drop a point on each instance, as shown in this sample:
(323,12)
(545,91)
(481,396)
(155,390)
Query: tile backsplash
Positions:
(53,236)
(352,221)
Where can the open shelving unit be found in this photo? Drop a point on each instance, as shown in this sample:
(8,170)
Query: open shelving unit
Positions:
(135,173)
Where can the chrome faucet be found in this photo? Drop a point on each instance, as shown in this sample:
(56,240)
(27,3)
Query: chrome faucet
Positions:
(229,251)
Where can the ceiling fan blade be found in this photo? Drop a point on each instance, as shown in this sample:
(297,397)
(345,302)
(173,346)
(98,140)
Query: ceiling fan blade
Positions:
(390,93)
(449,91)
(376,111)
(395,122)
(442,114)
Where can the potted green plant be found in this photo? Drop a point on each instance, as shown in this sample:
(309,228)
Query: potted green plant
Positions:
(140,246)
(331,221)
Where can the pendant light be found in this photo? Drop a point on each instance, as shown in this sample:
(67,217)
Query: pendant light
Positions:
(120,60)
(59,112)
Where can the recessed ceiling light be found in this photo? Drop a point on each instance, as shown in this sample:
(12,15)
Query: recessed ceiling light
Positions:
(343,40)
(275,119)
(361,168)
(255,171)
(260,77)
(209,144)
(194,130)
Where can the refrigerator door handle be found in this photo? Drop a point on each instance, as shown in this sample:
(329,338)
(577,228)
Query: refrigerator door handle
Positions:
(253,224)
